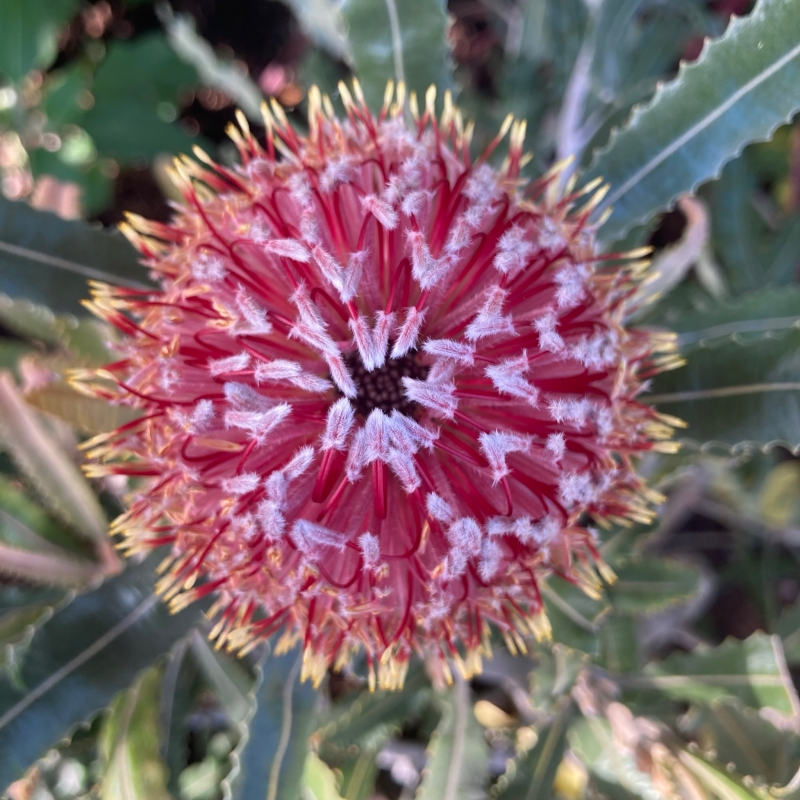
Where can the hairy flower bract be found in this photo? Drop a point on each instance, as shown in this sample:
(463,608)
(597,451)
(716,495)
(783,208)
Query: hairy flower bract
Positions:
(384,389)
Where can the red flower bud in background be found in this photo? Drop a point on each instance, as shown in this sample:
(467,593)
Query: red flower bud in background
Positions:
(384,388)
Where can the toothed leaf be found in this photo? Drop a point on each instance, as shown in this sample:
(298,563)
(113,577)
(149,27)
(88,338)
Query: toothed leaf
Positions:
(740,89)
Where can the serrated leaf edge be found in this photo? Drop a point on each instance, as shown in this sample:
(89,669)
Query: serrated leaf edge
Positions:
(685,68)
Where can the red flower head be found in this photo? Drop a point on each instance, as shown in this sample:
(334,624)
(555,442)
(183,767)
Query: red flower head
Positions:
(383,388)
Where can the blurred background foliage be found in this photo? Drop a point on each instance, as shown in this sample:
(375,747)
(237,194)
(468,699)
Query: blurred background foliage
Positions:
(680,682)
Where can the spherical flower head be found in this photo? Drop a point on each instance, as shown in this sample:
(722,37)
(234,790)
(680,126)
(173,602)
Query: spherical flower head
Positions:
(383,389)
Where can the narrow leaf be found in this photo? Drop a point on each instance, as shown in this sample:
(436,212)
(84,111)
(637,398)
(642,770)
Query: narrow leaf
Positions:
(133,766)
(615,770)
(644,586)
(49,260)
(740,89)
(88,414)
(742,737)
(574,616)
(737,396)
(458,756)
(226,674)
(319,782)
(399,39)
(532,775)
(367,718)
(268,763)
(715,778)
(85,654)
(753,670)
(47,466)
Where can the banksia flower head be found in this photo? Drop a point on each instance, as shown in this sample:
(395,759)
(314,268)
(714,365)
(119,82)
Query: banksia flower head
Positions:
(383,388)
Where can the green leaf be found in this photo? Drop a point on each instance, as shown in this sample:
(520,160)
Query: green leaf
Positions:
(457,766)
(130,750)
(49,260)
(319,782)
(737,396)
(136,90)
(619,644)
(30,321)
(737,230)
(29,34)
(84,655)
(743,738)
(753,316)
(62,486)
(268,763)
(788,628)
(403,40)
(574,616)
(358,775)
(179,688)
(367,718)
(200,781)
(716,778)
(753,670)
(227,675)
(88,414)
(620,778)
(647,585)
(739,90)
(531,777)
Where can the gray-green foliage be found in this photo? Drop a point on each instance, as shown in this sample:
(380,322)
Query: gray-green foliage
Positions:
(611,707)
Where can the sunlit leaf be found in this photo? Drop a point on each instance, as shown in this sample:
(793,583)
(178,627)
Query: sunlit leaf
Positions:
(133,769)
(88,414)
(319,782)
(211,69)
(323,22)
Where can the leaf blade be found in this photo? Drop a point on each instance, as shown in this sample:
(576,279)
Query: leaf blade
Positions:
(134,768)
(49,260)
(85,654)
(404,41)
(268,763)
(458,758)
(738,91)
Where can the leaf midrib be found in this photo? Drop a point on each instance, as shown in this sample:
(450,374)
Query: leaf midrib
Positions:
(79,660)
(698,127)
(70,266)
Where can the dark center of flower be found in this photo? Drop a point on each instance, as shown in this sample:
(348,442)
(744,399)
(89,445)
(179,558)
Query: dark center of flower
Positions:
(383,387)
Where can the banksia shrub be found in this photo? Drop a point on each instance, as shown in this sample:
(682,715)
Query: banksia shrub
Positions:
(384,388)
